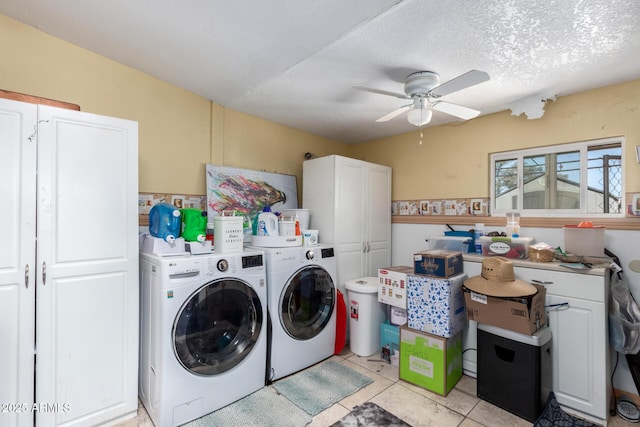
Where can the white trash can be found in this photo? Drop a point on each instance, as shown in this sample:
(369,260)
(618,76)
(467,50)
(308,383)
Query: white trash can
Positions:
(365,315)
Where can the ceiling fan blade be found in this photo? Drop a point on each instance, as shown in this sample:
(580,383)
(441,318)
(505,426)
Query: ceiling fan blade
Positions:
(463,81)
(465,113)
(383,92)
(394,113)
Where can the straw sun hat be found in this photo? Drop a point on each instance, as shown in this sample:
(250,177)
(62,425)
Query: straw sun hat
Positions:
(498,280)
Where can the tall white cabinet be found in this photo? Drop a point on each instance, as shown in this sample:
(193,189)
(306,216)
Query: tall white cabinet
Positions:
(68,266)
(577,315)
(350,205)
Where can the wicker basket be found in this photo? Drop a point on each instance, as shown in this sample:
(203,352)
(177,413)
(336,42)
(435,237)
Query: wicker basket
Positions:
(540,255)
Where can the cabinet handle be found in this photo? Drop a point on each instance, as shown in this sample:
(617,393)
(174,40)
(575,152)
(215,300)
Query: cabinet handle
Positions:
(44,273)
(368,247)
(557,306)
(26,276)
(541,282)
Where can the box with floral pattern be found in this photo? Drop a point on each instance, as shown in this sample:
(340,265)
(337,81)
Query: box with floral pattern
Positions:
(436,305)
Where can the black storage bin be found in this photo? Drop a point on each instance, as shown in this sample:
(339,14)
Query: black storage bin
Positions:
(514,370)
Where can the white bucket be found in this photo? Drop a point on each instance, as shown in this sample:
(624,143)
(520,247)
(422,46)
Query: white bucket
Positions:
(227,234)
(303,216)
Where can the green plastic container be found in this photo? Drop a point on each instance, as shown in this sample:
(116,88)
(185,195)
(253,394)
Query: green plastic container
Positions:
(194,225)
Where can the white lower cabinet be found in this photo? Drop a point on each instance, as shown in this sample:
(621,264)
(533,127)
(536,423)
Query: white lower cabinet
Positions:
(68,267)
(577,316)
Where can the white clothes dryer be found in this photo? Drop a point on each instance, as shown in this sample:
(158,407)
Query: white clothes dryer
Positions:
(203,333)
(302,291)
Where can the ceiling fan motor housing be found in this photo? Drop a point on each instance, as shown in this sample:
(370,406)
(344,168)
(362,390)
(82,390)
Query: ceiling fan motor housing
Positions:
(420,83)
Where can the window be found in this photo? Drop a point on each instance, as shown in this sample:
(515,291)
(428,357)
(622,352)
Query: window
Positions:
(577,179)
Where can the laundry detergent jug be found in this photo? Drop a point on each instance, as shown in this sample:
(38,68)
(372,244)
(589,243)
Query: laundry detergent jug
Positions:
(165,222)
(194,225)
(267,224)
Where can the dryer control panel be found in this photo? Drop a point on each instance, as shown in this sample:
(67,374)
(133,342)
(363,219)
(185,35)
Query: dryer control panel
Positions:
(327,253)
(250,261)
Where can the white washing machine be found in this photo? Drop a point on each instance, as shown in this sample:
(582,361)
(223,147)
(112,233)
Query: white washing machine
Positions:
(203,333)
(302,307)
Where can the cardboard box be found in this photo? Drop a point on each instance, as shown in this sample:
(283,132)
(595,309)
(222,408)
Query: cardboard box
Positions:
(392,285)
(436,305)
(430,361)
(508,247)
(524,315)
(438,263)
(390,343)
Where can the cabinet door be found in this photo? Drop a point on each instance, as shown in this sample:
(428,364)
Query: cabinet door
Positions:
(17,258)
(579,349)
(378,219)
(87,306)
(349,238)
(578,352)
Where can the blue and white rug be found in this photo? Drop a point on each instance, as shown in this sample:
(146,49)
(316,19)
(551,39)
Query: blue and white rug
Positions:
(315,389)
(264,408)
(291,401)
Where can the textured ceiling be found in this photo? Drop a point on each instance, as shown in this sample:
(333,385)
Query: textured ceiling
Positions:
(296,62)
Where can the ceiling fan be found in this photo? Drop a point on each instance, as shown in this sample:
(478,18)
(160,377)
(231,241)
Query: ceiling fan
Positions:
(424,90)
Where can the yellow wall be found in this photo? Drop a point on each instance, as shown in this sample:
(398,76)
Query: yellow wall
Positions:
(253,143)
(179,132)
(453,161)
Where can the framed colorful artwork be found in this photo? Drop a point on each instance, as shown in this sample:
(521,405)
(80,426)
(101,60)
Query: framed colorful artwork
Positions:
(247,191)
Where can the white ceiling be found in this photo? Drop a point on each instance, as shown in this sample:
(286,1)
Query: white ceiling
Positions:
(296,62)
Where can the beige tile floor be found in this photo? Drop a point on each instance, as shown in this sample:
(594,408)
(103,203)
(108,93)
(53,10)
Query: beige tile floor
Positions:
(414,405)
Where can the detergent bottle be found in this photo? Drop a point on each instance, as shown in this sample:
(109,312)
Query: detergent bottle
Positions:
(267,223)
(194,225)
(297,220)
(165,222)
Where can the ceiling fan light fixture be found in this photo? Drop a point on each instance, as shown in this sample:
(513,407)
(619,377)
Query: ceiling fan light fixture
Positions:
(419,116)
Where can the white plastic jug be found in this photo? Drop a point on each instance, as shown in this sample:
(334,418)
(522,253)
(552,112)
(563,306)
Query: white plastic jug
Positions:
(267,224)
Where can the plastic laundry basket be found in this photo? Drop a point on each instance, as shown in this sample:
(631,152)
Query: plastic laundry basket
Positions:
(365,315)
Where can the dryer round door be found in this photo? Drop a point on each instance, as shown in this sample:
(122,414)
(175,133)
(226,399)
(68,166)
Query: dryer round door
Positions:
(307,302)
(217,327)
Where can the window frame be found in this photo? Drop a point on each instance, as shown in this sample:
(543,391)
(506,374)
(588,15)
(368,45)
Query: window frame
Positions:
(583,148)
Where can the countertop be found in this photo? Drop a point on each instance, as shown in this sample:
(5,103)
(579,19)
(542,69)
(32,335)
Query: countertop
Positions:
(553,265)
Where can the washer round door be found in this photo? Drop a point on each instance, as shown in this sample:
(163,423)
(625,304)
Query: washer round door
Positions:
(217,327)
(307,302)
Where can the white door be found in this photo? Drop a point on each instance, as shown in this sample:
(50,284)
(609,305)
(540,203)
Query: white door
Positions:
(577,354)
(378,223)
(17,260)
(350,218)
(87,305)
